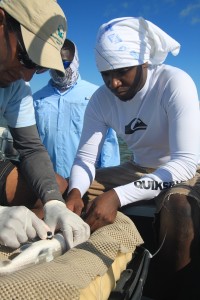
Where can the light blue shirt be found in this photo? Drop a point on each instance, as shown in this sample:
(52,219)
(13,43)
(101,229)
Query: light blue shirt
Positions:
(59,117)
(16,104)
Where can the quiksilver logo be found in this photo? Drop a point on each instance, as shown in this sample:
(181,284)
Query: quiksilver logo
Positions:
(154,185)
(134,125)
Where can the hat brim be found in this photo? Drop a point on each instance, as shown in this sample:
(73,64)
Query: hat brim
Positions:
(42,52)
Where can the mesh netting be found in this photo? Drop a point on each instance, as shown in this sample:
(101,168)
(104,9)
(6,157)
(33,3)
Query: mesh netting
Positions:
(65,276)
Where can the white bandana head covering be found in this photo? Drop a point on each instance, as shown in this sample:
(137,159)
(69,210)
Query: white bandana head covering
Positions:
(125,42)
(62,83)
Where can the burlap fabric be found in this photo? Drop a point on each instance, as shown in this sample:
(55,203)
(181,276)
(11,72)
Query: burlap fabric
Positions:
(98,261)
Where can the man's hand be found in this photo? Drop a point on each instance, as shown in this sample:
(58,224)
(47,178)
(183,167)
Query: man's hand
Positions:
(58,217)
(102,210)
(74,201)
(18,224)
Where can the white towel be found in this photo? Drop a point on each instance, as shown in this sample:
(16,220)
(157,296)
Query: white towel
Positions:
(129,41)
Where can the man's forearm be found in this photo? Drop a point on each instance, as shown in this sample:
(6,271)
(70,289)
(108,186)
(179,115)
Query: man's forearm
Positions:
(35,164)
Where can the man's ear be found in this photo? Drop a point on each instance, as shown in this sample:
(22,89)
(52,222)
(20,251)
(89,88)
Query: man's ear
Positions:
(145,65)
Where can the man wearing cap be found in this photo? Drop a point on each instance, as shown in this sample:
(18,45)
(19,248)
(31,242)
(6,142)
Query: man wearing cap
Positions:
(59,110)
(154,108)
(30,36)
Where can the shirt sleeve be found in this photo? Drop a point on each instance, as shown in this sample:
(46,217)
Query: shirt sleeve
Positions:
(19,110)
(91,142)
(35,164)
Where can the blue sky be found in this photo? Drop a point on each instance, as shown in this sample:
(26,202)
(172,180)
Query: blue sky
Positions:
(179,18)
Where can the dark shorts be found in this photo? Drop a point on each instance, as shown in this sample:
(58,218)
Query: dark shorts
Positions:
(190,188)
(5,168)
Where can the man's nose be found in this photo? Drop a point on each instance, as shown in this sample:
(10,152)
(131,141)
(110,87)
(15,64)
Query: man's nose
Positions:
(114,82)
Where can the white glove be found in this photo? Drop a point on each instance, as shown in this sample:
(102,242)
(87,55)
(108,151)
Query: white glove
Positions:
(58,217)
(18,224)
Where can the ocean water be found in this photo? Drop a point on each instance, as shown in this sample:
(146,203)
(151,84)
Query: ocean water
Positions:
(125,153)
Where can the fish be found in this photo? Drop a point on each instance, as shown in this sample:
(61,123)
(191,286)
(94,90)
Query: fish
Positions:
(33,253)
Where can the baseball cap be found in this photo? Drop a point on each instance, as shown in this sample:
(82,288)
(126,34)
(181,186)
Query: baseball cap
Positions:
(43,27)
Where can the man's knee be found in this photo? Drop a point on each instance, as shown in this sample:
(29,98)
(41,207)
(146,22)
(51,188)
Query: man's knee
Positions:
(179,216)
(178,230)
(179,208)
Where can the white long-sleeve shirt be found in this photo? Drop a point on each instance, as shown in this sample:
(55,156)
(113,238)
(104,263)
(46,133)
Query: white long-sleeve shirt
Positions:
(161,126)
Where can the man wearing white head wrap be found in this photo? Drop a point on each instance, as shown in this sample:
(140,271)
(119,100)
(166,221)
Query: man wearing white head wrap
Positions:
(126,42)
(154,108)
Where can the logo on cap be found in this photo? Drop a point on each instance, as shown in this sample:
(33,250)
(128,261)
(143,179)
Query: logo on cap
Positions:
(60,34)
(61,31)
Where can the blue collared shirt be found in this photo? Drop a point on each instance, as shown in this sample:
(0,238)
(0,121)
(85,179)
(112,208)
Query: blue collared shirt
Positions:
(59,117)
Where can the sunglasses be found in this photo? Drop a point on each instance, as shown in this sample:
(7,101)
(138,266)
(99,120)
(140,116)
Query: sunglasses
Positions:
(29,64)
(66,63)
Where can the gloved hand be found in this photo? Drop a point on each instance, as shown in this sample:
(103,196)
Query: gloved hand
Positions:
(58,217)
(18,224)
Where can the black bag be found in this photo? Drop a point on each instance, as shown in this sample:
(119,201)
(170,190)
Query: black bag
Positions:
(132,280)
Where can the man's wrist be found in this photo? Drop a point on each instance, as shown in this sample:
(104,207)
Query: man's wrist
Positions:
(53,195)
(75,193)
